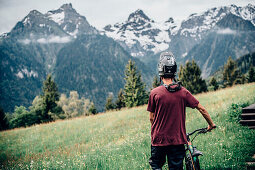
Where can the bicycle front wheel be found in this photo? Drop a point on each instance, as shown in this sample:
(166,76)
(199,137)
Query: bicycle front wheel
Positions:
(191,164)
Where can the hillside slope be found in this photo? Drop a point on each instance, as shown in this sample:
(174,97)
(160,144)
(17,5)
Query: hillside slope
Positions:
(243,64)
(121,139)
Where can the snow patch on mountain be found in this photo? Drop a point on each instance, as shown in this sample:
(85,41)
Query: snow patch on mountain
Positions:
(24,71)
(26,21)
(57,17)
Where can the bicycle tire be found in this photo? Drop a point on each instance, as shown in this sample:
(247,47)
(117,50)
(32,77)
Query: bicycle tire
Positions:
(197,165)
(189,162)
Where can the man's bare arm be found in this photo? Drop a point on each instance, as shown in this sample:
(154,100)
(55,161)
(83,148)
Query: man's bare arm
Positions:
(206,115)
(151,117)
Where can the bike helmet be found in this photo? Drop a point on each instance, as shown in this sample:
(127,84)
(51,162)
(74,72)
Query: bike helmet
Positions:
(167,65)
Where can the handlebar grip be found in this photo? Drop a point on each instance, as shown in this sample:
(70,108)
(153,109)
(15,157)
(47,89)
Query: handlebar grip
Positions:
(211,129)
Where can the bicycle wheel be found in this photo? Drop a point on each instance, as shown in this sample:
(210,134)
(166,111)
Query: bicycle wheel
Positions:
(189,163)
(197,165)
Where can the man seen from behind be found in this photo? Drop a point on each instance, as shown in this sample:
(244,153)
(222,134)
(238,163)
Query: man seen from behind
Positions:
(167,106)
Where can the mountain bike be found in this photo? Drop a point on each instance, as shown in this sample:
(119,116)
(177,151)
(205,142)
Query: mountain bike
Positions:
(192,154)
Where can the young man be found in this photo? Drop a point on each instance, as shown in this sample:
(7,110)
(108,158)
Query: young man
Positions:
(167,105)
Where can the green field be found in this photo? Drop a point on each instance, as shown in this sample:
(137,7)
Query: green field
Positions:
(121,139)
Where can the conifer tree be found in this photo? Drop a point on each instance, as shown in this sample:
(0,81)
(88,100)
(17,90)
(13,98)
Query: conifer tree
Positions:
(134,89)
(213,82)
(120,100)
(243,79)
(3,120)
(190,76)
(231,74)
(93,109)
(251,75)
(109,103)
(156,82)
(50,97)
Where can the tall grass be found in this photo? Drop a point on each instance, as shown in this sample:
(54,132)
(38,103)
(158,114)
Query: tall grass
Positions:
(121,139)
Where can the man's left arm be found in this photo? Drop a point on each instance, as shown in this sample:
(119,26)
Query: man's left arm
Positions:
(206,115)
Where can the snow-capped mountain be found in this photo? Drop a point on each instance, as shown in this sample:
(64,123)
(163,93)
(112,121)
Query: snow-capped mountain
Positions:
(35,24)
(232,36)
(71,21)
(56,26)
(197,24)
(142,34)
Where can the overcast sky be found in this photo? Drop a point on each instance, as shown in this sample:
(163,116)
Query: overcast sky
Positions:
(102,12)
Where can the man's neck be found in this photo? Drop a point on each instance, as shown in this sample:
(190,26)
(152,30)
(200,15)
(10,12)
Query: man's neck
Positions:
(167,81)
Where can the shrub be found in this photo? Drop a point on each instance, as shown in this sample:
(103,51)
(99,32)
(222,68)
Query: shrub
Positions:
(235,111)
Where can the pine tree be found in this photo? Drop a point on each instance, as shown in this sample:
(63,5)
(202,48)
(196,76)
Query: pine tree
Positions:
(214,84)
(3,120)
(231,74)
(93,109)
(190,76)
(50,97)
(120,100)
(243,79)
(109,103)
(156,82)
(134,89)
(251,75)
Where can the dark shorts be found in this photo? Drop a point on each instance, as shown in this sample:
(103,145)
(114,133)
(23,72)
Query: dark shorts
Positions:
(174,153)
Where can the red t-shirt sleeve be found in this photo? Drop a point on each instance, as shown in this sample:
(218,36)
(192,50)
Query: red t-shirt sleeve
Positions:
(151,104)
(191,101)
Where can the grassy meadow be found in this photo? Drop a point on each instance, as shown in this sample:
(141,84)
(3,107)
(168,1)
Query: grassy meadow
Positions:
(121,139)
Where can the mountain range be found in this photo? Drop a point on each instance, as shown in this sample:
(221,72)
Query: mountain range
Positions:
(63,43)
(144,38)
(92,61)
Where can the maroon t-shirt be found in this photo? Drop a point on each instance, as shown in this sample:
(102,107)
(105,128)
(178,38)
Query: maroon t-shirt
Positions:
(168,127)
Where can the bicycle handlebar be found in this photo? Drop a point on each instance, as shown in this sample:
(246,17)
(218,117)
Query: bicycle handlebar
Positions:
(202,130)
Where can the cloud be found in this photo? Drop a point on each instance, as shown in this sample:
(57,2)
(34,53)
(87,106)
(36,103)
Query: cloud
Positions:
(41,40)
(25,41)
(226,31)
(57,39)
(47,40)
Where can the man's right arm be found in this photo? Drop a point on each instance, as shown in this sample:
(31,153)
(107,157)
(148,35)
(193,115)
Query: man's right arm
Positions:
(206,115)
(151,117)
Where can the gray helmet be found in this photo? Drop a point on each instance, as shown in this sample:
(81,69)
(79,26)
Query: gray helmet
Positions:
(167,65)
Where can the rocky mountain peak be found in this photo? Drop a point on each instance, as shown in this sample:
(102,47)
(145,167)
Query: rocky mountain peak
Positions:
(35,13)
(32,17)
(170,20)
(67,6)
(138,16)
(71,21)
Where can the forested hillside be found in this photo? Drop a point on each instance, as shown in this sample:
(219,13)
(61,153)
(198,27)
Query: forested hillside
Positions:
(244,63)
(95,66)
